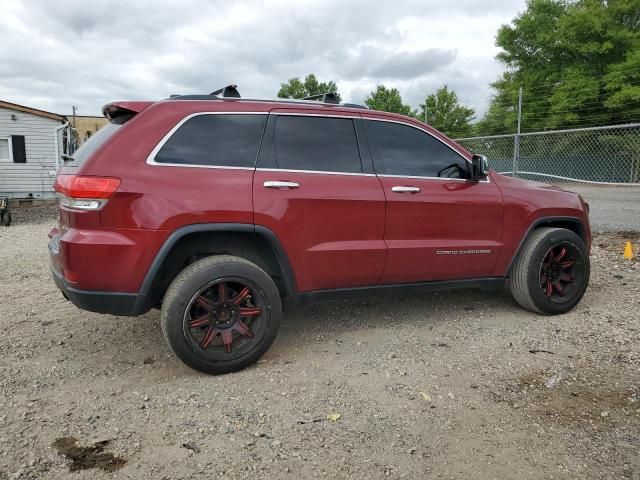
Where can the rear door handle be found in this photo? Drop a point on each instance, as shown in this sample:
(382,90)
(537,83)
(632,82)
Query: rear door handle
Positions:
(277,184)
(403,189)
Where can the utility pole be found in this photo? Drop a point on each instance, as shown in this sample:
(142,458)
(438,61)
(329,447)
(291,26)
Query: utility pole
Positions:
(426,120)
(516,140)
(71,139)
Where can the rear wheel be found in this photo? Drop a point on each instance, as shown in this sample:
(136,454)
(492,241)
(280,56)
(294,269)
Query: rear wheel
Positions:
(551,273)
(220,314)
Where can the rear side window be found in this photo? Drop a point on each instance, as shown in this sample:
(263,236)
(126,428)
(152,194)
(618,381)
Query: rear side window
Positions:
(316,143)
(228,140)
(93,144)
(403,150)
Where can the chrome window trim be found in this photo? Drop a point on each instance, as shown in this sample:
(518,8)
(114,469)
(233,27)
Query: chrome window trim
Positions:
(446,179)
(371,175)
(151,157)
(324,172)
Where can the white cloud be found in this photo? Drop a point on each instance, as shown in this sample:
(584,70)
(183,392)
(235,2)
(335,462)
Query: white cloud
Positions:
(57,54)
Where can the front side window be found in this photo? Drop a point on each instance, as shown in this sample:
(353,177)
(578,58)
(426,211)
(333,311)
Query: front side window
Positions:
(325,144)
(403,150)
(226,140)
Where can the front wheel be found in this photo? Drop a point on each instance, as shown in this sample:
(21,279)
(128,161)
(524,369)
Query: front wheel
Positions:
(551,273)
(220,314)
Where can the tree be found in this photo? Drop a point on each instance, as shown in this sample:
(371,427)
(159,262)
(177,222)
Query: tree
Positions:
(578,62)
(295,88)
(387,100)
(445,113)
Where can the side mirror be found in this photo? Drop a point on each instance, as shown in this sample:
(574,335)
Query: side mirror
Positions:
(479,167)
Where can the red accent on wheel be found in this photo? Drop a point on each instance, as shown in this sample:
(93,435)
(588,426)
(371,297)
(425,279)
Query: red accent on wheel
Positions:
(227,340)
(204,303)
(229,316)
(199,322)
(222,292)
(240,297)
(243,329)
(208,338)
(250,311)
(556,271)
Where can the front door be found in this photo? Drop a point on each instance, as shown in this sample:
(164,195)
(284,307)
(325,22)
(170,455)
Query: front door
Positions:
(311,189)
(439,225)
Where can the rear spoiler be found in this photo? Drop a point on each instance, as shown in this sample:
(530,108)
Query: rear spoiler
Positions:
(115,109)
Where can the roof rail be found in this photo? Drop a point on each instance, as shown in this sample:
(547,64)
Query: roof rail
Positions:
(329,97)
(354,105)
(230,92)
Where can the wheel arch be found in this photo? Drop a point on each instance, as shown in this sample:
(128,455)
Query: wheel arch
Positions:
(255,243)
(573,224)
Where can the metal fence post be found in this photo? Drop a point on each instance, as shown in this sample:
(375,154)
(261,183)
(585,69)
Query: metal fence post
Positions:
(516,139)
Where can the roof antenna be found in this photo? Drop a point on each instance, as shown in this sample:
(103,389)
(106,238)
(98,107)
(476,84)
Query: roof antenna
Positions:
(230,91)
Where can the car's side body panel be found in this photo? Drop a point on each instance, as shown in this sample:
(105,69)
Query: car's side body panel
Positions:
(450,229)
(525,204)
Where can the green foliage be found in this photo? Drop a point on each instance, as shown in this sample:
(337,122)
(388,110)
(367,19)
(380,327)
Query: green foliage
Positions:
(295,88)
(577,61)
(446,114)
(387,100)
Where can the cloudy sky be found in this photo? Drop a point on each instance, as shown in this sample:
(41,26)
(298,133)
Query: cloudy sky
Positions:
(55,54)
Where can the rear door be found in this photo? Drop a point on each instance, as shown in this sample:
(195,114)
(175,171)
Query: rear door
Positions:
(314,187)
(440,226)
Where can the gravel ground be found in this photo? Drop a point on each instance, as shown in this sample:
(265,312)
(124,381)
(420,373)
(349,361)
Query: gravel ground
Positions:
(455,385)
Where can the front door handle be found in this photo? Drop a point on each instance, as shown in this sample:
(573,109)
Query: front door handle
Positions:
(403,189)
(280,185)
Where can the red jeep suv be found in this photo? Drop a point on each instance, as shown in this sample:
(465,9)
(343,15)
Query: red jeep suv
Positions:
(217,208)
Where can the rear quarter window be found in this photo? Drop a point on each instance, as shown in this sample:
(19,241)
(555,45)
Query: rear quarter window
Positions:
(93,144)
(222,140)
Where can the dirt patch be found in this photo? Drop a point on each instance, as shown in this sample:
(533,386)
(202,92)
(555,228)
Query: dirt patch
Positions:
(84,458)
(573,400)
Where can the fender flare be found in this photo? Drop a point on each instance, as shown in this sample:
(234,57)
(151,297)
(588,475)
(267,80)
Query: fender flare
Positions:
(181,232)
(537,223)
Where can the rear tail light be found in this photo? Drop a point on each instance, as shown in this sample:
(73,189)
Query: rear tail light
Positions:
(85,192)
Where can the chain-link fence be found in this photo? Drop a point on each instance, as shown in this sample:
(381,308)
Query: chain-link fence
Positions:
(602,164)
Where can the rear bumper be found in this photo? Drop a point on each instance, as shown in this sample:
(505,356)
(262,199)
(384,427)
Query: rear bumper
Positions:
(114,303)
(106,264)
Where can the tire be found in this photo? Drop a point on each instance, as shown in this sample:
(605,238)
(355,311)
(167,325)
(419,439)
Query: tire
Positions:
(221,314)
(551,272)
(5,218)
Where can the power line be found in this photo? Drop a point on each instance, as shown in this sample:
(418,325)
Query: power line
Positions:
(577,125)
(543,106)
(604,111)
(560,83)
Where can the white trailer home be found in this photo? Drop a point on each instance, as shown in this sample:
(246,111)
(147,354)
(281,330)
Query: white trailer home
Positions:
(31,144)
